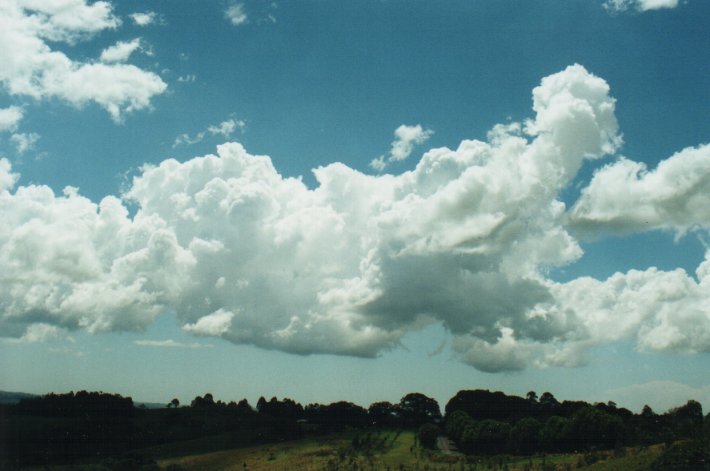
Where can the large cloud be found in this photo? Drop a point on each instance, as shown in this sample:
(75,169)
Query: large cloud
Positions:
(30,67)
(241,252)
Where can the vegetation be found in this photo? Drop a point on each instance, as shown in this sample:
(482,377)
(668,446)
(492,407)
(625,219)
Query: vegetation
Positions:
(486,422)
(479,430)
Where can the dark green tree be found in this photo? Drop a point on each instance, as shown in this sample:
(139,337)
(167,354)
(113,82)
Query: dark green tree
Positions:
(592,428)
(552,434)
(416,409)
(548,404)
(687,420)
(382,414)
(428,435)
(525,436)
(203,402)
(456,424)
(482,404)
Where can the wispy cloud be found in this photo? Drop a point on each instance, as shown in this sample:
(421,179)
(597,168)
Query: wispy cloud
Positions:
(170,344)
(24,141)
(661,396)
(189,78)
(67,351)
(616,6)
(225,129)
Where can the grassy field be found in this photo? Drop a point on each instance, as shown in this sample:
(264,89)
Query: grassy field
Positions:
(393,451)
(386,451)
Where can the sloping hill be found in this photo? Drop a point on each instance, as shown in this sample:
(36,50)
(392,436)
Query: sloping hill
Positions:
(7,397)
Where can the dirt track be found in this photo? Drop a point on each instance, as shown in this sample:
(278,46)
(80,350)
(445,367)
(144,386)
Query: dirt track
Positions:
(446,446)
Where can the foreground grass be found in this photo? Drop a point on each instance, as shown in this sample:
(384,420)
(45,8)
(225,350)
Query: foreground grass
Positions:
(633,459)
(397,451)
(381,450)
(315,453)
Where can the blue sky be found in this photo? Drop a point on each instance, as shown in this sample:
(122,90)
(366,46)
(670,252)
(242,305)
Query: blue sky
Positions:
(508,195)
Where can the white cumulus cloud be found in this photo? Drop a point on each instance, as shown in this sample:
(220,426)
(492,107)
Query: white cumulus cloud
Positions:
(69,262)
(7,177)
(406,137)
(61,20)
(464,239)
(626,196)
(214,324)
(35,333)
(10,117)
(33,68)
(660,310)
(121,51)
(236,15)
(144,18)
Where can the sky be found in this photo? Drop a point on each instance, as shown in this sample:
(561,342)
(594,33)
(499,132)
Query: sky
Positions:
(330,200)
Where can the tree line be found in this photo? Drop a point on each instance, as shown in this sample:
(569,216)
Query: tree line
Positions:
(64,428)
(487,422)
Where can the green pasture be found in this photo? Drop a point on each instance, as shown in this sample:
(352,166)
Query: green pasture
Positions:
(392,451)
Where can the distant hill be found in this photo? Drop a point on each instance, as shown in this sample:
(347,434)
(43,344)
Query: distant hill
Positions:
(150,405)
(7,397)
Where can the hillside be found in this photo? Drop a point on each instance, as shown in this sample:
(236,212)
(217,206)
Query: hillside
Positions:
(7,397)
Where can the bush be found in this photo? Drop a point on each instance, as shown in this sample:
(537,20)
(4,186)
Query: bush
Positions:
(427,434)
(686,455)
